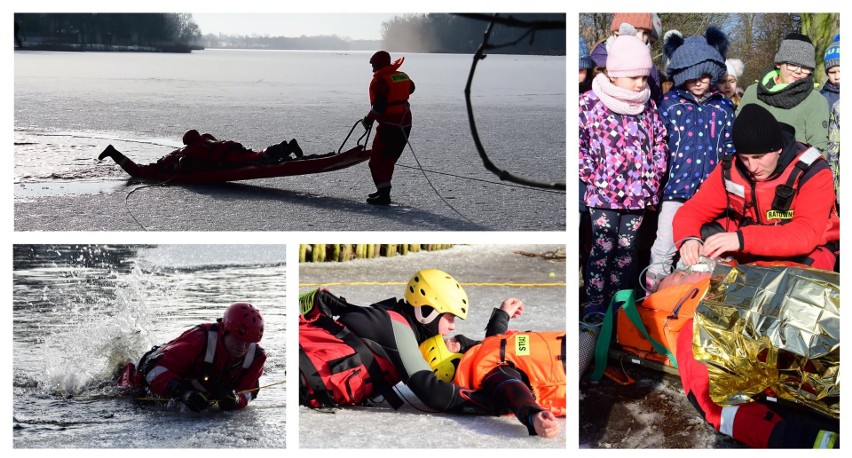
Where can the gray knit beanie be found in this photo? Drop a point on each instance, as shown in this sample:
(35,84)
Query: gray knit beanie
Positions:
(696,56)
(797,49)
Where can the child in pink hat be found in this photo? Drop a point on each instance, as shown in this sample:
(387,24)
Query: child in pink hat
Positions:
(622,162)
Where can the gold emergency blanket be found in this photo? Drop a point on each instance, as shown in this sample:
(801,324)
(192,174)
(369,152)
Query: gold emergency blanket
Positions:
(773,330)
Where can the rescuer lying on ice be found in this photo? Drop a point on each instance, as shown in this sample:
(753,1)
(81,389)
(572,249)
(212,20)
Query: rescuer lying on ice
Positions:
(523,372)
(212,362)
(359,356)
(204,152)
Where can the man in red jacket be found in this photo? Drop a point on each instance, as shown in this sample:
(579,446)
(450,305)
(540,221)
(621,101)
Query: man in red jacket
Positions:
(389,91)
(774,199)
(210,362)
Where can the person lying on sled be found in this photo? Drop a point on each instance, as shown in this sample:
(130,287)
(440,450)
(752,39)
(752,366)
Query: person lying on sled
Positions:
(774,199)
(353,355)
(217,362)
(758,424)
(523,372)
(205,152)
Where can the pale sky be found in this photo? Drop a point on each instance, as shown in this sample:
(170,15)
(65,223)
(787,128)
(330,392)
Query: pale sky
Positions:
(359,26)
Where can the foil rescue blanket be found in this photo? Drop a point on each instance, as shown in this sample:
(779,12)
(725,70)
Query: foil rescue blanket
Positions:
(771,329)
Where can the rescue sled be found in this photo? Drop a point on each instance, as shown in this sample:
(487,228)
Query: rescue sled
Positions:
(303,166)
(317,163)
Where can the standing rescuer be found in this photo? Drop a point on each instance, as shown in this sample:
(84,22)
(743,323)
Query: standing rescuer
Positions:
(389,91)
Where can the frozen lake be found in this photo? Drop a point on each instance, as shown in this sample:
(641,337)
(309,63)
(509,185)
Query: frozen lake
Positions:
(69,106)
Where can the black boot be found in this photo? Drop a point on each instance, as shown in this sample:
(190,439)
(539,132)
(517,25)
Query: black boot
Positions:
(294,148)
(273,154)
(380,197)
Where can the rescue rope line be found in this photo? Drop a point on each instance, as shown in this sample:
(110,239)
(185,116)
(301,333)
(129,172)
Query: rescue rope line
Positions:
(127,205)
(395,283)
(127,196)
(153,399)
(510,185)
(532,27)
(423,171)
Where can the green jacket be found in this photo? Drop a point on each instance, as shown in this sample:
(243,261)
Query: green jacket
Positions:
(799,105)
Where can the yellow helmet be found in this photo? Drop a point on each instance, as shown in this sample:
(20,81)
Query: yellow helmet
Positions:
(438,290)
(442,361)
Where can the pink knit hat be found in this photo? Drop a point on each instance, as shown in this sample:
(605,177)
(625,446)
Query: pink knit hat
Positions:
(628,55)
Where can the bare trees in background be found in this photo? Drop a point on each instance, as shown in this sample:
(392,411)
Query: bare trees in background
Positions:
(754,37)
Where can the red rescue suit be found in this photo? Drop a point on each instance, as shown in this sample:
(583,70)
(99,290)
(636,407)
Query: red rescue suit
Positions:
(540,356)
(204,152)
(754,424)
(389,92)
(336,366)
(799,233)
(199,358)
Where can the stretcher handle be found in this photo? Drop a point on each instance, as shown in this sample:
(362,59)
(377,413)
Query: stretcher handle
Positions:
(365,134)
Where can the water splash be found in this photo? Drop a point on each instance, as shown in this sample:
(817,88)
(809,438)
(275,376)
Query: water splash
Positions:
(102,331)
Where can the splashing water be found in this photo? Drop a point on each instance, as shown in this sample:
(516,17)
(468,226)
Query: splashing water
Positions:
(101,334)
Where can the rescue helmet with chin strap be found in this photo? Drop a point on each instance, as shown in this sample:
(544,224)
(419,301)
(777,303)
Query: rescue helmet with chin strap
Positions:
(244,322)
(442,361)
(433,292)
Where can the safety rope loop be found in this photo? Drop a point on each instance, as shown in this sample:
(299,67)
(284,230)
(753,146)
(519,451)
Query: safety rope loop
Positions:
(504,175)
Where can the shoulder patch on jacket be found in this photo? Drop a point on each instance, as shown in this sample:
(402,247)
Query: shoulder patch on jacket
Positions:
(734,188)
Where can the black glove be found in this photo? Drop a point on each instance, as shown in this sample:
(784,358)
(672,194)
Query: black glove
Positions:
(194,399)
(367,122)
(330,304)
(228,400)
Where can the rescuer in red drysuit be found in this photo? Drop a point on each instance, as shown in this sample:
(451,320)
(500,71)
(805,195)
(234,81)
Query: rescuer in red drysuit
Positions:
(389,91)
(204,152)
(219,362)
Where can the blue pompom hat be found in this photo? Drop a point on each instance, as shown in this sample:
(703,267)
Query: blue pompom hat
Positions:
(832,54)
(696,56)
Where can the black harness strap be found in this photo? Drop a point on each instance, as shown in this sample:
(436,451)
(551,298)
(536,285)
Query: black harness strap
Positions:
(310,376)
(784,192)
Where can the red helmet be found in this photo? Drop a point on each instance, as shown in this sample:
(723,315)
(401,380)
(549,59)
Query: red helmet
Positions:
(380,59)
(244,322)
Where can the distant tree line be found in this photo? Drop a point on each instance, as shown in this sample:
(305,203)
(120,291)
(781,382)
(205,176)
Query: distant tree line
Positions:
(108,31)
(452,33)
(754,37)
(318,42)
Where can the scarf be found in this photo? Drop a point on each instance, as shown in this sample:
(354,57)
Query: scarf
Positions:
(619,100)
(781,95)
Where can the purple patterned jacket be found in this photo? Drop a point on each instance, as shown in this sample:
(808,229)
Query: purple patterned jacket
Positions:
(622,157)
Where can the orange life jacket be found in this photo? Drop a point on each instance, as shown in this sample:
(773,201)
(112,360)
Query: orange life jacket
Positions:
(399,89)
(539,355)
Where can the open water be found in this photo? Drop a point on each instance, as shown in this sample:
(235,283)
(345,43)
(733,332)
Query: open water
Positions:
(70,106)
(80,311)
